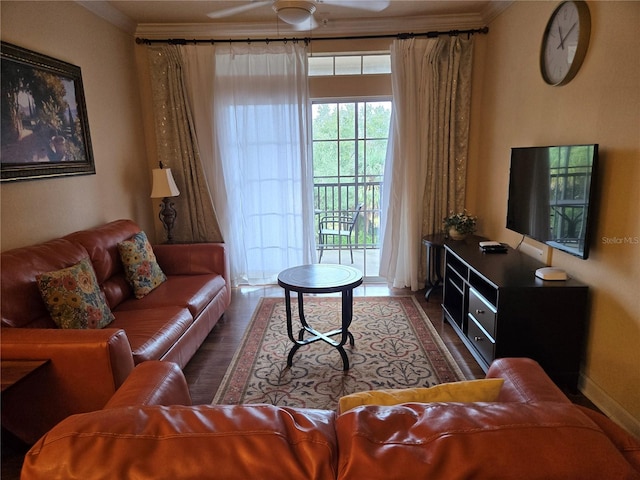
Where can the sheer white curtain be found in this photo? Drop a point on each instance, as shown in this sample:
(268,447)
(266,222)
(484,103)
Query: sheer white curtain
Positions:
(254,125)
(425,169)
(406,165)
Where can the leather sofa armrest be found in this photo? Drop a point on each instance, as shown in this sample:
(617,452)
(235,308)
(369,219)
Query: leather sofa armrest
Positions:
(152,383)
(524,381)
(85,369)
(194,259)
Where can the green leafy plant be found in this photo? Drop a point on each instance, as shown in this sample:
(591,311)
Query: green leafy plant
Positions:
(462,222)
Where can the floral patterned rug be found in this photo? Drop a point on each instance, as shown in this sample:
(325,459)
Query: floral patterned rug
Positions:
(395,347)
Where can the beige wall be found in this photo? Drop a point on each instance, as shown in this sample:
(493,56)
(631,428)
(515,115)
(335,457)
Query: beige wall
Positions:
(512,106)
(37,210)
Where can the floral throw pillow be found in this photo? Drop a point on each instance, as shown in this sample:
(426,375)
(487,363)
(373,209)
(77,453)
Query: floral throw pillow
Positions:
(73,297)
(140,265)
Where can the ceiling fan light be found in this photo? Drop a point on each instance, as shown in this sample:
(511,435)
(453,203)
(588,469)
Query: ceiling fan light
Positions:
(293,15)
(294,12)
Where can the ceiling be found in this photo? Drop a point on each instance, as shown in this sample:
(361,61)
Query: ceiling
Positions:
(174,19)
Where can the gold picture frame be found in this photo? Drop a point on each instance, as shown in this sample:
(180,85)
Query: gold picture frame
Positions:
(44,130)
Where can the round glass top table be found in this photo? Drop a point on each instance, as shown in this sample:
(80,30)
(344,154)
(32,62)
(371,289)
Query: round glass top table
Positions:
(320,278)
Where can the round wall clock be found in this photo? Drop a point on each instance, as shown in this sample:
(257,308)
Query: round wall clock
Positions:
(565,42)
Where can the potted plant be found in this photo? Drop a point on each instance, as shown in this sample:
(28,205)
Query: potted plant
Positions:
(459,225)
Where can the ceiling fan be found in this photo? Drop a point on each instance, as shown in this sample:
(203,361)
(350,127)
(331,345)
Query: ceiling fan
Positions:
(299,13)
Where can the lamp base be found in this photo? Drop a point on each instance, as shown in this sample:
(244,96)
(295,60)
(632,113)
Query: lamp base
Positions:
(168,216)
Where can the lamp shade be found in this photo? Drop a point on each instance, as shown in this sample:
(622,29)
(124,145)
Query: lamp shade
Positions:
(163,184)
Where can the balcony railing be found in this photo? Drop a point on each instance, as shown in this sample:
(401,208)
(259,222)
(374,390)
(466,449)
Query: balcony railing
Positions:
(340,195)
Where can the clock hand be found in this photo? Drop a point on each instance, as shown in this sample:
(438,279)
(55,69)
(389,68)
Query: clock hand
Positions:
(562,39)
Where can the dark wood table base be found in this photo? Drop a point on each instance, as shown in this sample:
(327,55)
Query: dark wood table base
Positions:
(320,279)
(434,249)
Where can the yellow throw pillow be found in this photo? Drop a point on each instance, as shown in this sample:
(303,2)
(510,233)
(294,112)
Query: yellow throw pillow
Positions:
(484,390)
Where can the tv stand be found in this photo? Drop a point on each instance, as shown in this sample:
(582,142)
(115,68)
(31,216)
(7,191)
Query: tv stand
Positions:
(499,308)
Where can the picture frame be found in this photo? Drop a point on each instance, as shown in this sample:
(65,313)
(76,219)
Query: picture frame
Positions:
(43,114)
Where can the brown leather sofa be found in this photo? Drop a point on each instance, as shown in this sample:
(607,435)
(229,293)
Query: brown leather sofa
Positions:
(86,367)
(532,432)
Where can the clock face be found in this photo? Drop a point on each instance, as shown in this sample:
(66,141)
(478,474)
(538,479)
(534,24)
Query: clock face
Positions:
(565,42)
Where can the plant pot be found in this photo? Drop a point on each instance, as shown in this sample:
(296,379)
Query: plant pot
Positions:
(456,235)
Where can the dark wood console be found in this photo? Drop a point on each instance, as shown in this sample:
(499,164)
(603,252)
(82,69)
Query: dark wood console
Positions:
(499,308)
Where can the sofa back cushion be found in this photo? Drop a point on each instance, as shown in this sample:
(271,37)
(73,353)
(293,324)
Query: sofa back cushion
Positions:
(102,245)
(22,304)
(221,441)
(478,440)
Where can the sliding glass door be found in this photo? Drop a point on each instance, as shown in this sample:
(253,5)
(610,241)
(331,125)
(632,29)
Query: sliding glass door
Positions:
(349,149)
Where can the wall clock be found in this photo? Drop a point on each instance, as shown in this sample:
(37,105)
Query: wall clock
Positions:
(565,42)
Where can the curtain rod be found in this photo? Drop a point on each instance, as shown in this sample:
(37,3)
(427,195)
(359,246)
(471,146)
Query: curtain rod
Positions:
(307,40)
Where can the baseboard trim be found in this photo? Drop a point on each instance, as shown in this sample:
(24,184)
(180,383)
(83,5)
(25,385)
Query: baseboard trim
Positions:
(609,406)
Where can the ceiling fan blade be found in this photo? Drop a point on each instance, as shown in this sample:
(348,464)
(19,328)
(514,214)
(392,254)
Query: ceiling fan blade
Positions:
(228,12)
(369,5)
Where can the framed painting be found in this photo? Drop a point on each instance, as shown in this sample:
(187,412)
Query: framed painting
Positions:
(44,129)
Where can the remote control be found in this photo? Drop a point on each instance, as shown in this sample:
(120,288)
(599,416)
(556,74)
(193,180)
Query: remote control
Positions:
(490,244)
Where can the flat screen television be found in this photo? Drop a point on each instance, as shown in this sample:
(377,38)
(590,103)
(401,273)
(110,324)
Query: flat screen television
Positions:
(551,193)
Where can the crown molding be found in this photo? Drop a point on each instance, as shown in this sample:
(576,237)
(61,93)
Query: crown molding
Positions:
(327,27)
(330,28)
(495,8)
(112,15)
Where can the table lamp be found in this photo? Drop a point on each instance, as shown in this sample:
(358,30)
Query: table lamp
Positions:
(165,187)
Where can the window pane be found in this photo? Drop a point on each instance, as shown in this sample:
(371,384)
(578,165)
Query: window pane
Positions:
(347,120)
(350,65)
(376,64)
(325,121)
(376,153)
(347,160)
(378,118)
(320,66)
(325,161)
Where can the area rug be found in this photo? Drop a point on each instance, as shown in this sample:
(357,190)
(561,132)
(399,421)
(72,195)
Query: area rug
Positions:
(396,346)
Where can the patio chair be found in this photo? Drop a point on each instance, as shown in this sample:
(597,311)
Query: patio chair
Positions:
(340,225)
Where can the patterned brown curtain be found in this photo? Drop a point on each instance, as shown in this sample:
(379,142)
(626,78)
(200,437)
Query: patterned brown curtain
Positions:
(448,131)
(178,148)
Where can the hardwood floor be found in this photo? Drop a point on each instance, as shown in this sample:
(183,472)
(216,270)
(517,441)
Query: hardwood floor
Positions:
(206,369)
